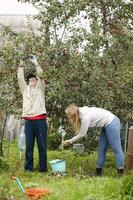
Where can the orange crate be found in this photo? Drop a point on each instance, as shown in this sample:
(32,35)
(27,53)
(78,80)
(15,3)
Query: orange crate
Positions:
(36,193)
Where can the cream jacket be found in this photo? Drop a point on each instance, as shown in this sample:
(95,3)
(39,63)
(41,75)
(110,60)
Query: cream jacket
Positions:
(33,98)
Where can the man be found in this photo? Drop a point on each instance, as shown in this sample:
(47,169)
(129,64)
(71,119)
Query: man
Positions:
(34,113)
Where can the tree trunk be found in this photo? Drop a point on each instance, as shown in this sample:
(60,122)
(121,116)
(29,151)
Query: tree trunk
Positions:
(2,136)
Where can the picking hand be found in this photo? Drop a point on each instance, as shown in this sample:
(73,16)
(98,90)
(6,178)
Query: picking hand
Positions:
(22,64)
(65,143)
(33,59)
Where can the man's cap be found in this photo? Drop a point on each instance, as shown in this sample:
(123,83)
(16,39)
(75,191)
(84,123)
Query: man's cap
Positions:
(31,76)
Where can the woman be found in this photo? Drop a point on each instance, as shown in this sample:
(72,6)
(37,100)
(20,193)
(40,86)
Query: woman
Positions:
(81,118)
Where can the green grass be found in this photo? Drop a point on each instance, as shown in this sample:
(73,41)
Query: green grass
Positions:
(75,185)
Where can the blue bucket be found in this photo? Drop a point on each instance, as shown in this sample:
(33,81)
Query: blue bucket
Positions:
(58,165)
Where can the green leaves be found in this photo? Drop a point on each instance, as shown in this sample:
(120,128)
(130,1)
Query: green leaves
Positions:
(100,75)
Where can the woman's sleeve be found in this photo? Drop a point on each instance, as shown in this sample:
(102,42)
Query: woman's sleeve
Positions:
(83,131)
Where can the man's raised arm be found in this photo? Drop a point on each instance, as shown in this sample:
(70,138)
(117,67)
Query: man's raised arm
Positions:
(21,80)
(39,70)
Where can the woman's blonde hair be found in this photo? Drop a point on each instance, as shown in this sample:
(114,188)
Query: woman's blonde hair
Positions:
(72,112)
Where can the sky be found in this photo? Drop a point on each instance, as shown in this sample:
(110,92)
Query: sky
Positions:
(15,7)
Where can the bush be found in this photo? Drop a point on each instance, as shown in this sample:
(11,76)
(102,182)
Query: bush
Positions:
(127,186)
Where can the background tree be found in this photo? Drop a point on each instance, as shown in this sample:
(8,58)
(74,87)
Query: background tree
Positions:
(100,75)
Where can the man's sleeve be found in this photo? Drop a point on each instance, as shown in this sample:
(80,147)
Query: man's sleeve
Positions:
(41,83)
(21,81)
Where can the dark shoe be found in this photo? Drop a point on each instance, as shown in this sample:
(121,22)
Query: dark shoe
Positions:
(98,172)
(27,170)
(120,173)
(42,171)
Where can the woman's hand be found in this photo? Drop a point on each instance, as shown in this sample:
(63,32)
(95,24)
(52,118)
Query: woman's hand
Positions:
(65,143)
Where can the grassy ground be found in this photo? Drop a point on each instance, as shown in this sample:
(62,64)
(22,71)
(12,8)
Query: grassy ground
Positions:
(75,185)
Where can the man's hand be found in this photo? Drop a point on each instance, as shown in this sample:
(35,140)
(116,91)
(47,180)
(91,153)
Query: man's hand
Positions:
(65,143)
(33,59)
(21,64)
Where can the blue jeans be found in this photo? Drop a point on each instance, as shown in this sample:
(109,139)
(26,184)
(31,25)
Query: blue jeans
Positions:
(110,135)
(36,129)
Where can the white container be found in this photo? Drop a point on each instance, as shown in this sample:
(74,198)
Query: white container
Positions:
(78,148)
